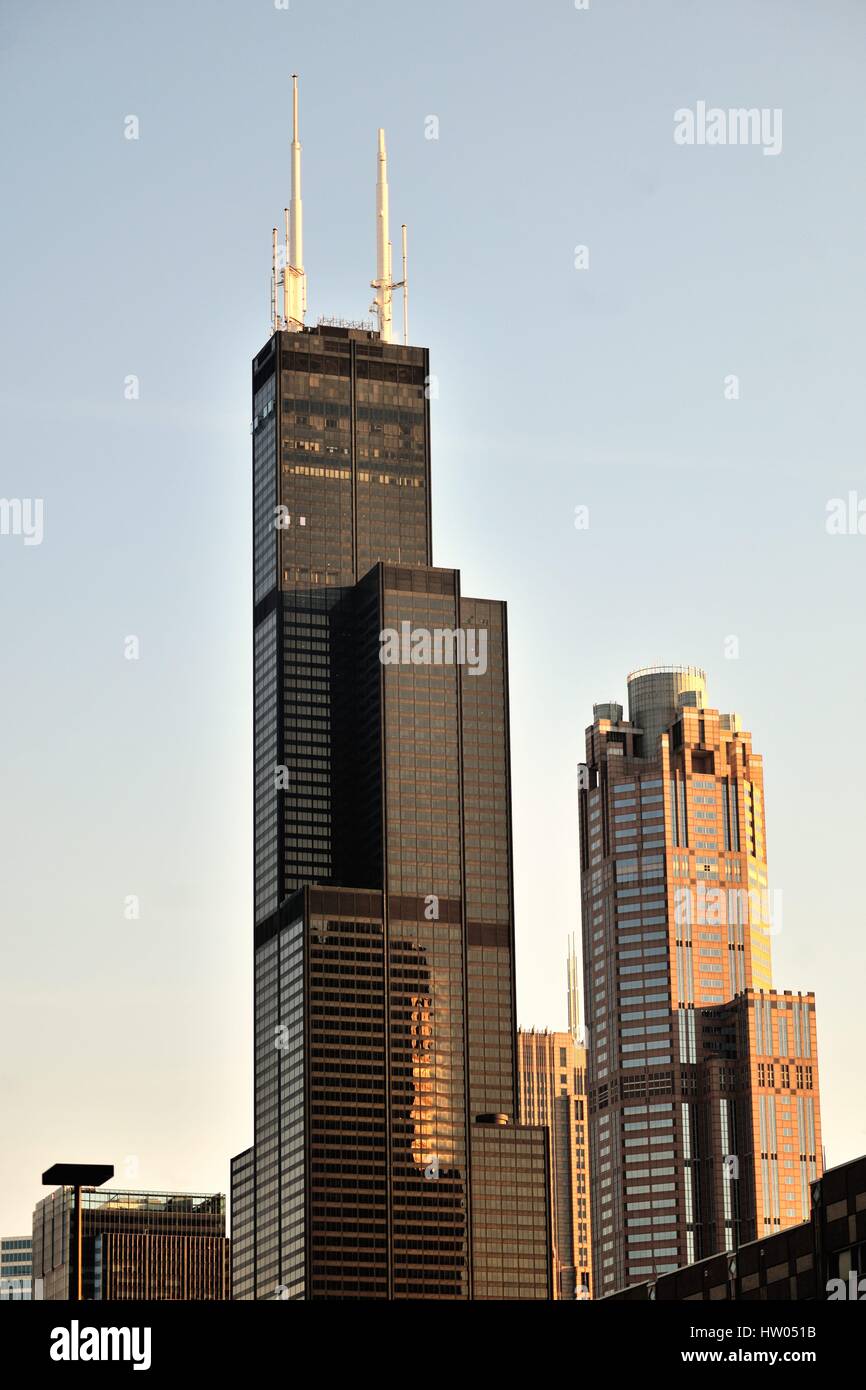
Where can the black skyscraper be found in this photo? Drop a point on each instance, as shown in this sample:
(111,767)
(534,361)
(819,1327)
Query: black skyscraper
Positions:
(387,1162)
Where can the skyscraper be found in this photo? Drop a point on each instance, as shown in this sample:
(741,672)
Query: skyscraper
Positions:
(705,1128)
(387,1162)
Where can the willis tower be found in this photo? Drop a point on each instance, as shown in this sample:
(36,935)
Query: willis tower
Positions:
(387,1161)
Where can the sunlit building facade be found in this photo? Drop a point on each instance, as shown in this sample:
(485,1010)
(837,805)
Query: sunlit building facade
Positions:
(705,1125)
(552,1081)
(759,1077)
(821,1259)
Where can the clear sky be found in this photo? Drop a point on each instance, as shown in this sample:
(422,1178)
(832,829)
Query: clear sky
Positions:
(128,1040)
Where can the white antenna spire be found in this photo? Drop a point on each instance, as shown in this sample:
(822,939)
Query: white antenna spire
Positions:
(382,283)
(294,276)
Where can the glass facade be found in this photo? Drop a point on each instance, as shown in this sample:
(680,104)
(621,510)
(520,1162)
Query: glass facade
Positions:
(135,1245)
(267,824)
(15,1269)
(384,975)
(243,1204)
(510,1216)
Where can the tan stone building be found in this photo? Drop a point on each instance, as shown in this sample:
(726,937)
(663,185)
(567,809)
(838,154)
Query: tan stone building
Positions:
(551,1070)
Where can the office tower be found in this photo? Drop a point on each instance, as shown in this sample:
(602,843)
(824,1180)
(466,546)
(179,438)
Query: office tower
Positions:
(552,1082)
(703,1080)
(135,1245)
(16,1268)
(387,1162)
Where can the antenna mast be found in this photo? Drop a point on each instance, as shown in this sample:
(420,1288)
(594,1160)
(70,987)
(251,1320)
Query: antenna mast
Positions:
(382,283)
(573,996)
(294,276)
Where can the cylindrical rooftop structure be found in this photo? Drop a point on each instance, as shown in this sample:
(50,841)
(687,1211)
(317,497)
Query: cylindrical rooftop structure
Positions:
(655,696)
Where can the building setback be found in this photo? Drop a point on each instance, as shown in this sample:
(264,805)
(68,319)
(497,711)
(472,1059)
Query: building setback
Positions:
(760,1107)
(705,1124)
(386,1160)
(135,1245)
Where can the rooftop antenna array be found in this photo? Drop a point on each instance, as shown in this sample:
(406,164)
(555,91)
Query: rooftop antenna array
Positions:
(289,279)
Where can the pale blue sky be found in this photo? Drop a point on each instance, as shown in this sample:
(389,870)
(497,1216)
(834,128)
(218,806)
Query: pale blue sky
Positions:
(558,387)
